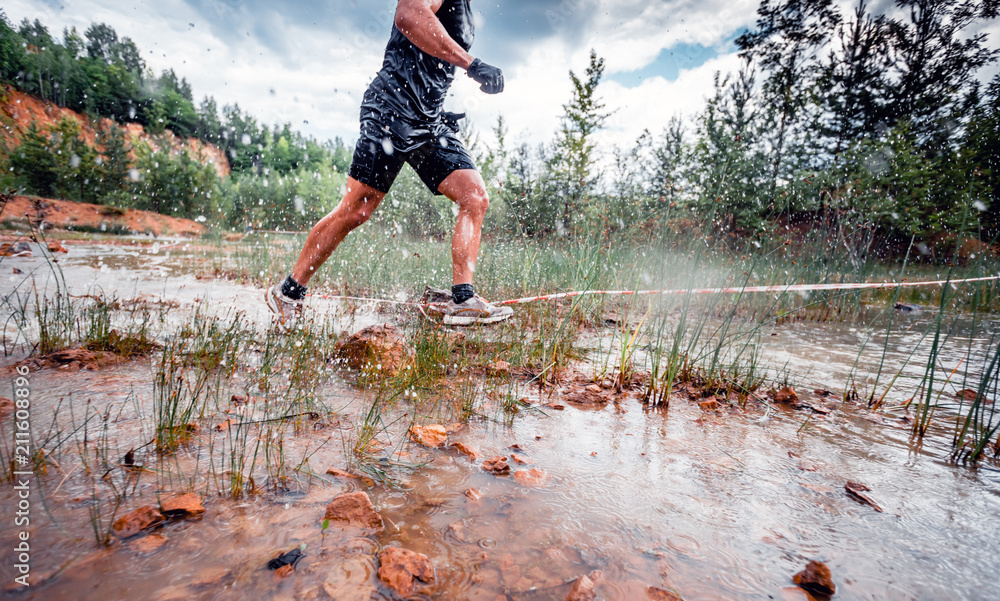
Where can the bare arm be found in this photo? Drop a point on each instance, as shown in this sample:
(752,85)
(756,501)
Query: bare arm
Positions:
(416,19)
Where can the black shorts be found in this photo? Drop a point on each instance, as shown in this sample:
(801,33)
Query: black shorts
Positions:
(377,163)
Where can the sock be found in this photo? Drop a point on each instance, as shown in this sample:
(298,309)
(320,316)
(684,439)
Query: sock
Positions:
(462,292)
(293,289)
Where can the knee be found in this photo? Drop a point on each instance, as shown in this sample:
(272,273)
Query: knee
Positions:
(358,216)
(352,215)
(476,202)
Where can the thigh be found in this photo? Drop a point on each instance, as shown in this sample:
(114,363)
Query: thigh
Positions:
(435,161)
(376,164)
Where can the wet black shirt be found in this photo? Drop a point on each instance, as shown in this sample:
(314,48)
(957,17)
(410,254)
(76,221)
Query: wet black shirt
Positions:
(404,101)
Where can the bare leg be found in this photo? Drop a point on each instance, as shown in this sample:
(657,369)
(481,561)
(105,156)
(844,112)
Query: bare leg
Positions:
(354,209)
(466,188)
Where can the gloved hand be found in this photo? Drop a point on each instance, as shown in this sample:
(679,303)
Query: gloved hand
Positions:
(451,120)
(489,76)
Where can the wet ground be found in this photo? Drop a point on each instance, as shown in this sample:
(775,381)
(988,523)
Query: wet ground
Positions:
(724,505)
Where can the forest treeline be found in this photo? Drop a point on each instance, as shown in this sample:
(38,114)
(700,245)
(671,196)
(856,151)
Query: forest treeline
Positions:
(844,119)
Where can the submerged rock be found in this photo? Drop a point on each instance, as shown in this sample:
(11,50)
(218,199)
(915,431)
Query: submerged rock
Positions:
(816,579)
(532,477)
(429,436)
(344,475)
(464,450)
(584,589)
(586,396)
(497,466)
(56,246)
(474,494)
(909,308)
(149,544)
(135,522)
(376,349)
(210,576)
(182,505)
(356,509)
(658,594)
(400,568)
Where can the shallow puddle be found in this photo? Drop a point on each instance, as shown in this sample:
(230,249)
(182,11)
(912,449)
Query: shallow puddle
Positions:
(713,506)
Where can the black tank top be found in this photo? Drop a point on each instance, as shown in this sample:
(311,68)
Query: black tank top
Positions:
(406,96)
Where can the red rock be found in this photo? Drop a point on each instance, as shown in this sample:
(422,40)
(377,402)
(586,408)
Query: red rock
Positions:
(509,571)
(967,394)
(593,388)
(659,594)
(464,449)
(555,406)
(210,576)
(429,436)
(474,494)
(497,466)
(583,589)
(349,476)
(457,530)
(532,477)
(519,459)
(284,571)
(356,509)
(149,544)
(709,405)
(56,247)
(400,568)
(816,578)
(182,505)
(145,517)
(377,349)
(585,396)
(785,395)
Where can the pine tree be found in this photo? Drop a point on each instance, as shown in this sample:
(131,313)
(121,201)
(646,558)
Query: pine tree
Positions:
(852,90)
(935,62)
(574,162)
(789,35)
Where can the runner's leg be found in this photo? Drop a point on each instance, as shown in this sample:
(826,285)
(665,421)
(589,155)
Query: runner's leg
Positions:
(465,187)
(355,208)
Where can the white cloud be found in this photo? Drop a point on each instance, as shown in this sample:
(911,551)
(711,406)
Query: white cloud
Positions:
(318,56)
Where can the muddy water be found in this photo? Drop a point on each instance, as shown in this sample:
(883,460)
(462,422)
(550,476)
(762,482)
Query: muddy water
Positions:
(169,273)
(710,506)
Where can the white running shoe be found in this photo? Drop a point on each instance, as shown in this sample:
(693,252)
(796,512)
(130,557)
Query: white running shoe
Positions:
(286,310)
(471,312)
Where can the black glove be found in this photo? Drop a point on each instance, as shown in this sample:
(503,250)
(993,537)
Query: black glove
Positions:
(489,76)
(451,120)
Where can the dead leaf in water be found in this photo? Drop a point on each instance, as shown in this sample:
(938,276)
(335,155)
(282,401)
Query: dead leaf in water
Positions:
(857,491)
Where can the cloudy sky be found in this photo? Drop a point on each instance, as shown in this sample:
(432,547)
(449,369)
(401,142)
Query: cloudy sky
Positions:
(309,62)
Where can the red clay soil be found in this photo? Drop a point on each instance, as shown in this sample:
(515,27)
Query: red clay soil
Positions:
(65,214)
(18,110)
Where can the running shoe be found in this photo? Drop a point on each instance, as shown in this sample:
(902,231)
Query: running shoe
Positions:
(286,310)
(470,312)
